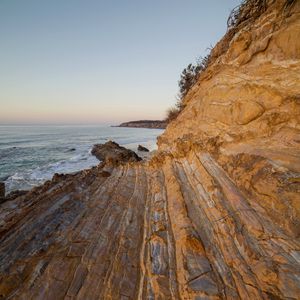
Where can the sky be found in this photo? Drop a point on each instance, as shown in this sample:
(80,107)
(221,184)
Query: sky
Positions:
(95,61)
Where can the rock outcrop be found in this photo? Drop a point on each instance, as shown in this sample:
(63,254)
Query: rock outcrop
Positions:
(112,153)
(142,148)
(213,215)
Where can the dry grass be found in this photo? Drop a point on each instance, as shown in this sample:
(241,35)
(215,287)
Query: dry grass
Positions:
(246,12)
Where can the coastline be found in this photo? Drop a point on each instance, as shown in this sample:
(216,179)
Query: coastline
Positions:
(214,214)
(151,124)
(32,157)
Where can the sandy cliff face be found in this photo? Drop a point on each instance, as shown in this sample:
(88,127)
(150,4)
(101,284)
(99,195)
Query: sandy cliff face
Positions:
(214,215)
(251,91)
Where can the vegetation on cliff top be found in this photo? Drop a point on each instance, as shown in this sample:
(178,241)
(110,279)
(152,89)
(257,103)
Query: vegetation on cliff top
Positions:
(188,78)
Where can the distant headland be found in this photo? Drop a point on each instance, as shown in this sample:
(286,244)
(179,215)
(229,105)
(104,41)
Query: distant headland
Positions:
(157,124)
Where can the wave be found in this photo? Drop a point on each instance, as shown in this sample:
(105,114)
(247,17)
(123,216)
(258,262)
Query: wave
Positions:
(25,180)
(29,159)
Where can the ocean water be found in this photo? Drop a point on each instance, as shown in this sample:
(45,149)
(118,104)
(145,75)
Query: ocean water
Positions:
(30,155)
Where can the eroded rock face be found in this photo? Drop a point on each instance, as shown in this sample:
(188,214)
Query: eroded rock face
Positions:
(252,90)
(214,214)
(113,153)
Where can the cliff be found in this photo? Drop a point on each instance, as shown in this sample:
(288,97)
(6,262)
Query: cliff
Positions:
(215,213)
(145,124)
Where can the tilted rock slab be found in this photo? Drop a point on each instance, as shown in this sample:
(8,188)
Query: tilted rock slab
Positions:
(215,214)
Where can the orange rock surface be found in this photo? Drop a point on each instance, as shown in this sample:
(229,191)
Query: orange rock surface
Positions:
(215,214)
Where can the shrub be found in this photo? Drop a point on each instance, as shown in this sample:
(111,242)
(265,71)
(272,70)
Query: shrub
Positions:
(188,78)
(190,75)
(247,11)
(172,114)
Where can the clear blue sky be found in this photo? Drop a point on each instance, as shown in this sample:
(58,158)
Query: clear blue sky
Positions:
(93,61)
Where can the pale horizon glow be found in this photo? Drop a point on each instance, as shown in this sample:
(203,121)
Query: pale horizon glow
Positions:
(100,62)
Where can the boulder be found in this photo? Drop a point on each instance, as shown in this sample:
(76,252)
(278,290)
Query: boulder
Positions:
(111,152)
(142,148)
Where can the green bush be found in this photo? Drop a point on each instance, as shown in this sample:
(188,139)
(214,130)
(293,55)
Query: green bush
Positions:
(188,78)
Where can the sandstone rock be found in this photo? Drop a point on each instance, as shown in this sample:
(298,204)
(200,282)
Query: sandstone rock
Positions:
(244,93)
(214,214)
(246,111)
(142,148)
(113,153)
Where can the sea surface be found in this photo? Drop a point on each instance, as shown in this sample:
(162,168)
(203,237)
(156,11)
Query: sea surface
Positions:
(30,155)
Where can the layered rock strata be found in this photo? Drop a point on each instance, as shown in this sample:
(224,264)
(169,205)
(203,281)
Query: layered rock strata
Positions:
(185,230)
(213,215)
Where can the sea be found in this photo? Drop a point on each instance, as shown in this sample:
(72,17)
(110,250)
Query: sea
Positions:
(30,155)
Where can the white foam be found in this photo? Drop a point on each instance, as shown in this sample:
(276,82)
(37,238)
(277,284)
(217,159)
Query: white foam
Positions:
(33,177)
(34,163)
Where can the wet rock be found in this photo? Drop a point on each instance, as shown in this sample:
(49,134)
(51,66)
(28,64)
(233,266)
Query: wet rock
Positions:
(57,177)
(15,194)
(142,148)
(2,189)
(4,178)
(113,153)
